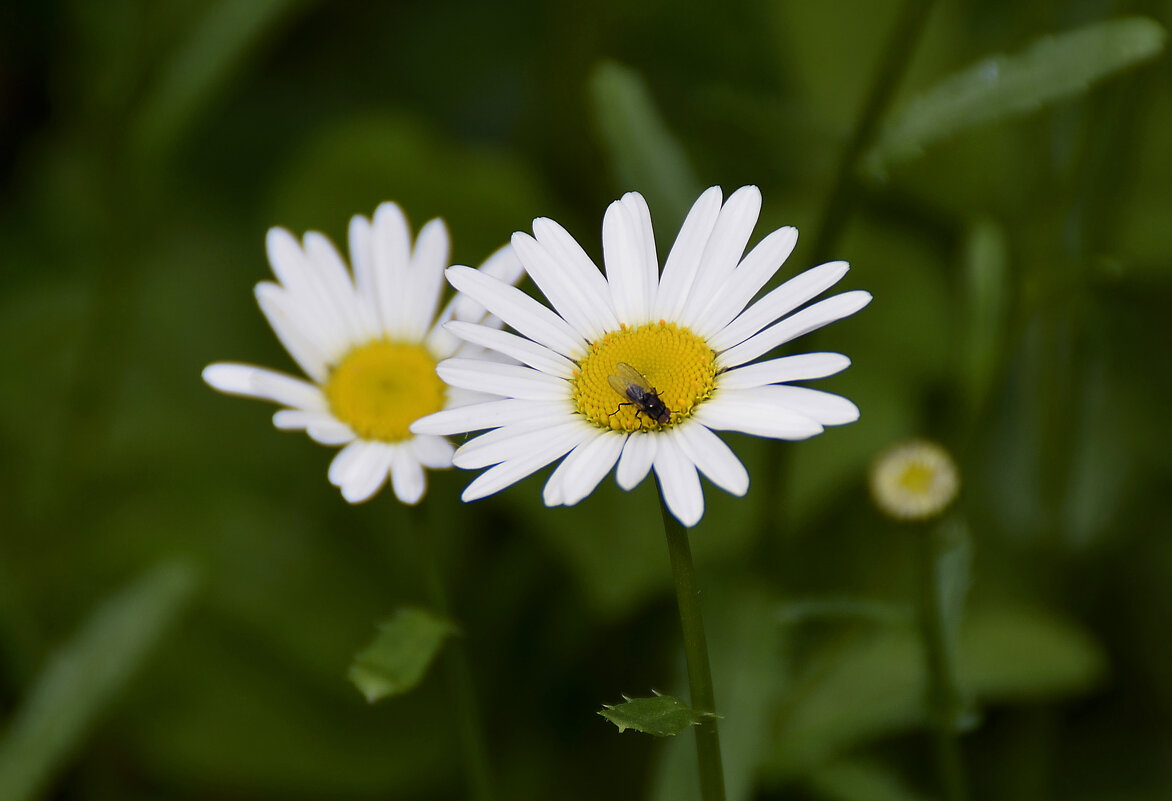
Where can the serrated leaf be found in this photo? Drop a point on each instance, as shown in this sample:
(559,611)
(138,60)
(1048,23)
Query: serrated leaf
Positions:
(660,715)
(646,155)
(86,673)
(1051,69)
(398,658)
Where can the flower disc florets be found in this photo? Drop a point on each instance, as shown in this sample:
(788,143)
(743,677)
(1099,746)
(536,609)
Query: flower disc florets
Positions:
(381,388)
(678,366)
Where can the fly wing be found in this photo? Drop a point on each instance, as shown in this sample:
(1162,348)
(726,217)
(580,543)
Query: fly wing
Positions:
(628,382)
(622,387)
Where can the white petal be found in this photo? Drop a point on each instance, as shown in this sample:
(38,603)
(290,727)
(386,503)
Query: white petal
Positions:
(514,441)
(723,251)
(679,271)
(758,267)
(802,367)
(638,454)
(744,410)
(425,279)
(259,382)
(824,407)
(434,453)
(286,324)
(368,472)
(713,458)
(407,477)
(523,350)
(335,289)
(342,464)
(587,464)
(808,319)
(322,427)
(361,237)
(392,255)
(502,265)
(626,254)
(486,415)
(505,474)
(779,302)
(579,268)
(567,290)
(507,380)
(330,432)
(678,480)
(521,312)
(289,262)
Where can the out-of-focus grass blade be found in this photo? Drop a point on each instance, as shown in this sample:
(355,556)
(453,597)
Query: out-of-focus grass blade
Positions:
(398,658)
(1051,69)
(953,575)
(986,273)
(659,715)
(859,780)
(85,674)
(647,157)
(219,44)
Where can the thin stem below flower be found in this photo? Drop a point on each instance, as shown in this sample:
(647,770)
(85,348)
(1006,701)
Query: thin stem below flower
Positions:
(696,655)
(944,700)
(457,669)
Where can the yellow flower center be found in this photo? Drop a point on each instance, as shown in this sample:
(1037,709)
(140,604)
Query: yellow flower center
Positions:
(381,388)
(917,478)
(678,367)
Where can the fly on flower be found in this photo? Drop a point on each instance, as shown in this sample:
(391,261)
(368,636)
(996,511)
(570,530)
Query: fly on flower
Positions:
(633,385)
(696,329)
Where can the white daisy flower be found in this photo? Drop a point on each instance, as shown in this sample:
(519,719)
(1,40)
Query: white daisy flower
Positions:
(689,333)
(914,480)
(369,343)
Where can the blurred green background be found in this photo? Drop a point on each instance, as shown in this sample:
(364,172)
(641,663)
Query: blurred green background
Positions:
(181,591)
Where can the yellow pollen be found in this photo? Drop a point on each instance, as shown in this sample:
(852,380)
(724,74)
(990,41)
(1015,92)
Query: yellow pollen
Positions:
(382,387)
(677,364)
(917,478)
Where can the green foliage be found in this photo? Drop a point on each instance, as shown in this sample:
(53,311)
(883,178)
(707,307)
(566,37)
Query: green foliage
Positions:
(86,674)
(646,156)
(871,683)
(400,654)
(1052,69)
(859,780)
(659,715)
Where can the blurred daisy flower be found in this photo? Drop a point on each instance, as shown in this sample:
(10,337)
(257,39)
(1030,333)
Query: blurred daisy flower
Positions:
(639,369)
(915,480)
(369,344)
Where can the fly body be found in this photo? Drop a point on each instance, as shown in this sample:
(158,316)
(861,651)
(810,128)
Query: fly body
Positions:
(634,386)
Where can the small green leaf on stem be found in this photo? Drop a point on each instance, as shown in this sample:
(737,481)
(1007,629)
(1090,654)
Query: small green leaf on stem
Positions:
(398,658)
(1053,68)
(660,715)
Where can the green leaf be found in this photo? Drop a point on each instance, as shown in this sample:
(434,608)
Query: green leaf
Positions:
(1052,69)
(660,715)
(985,301)
(85,674)
(398,658)
(646,156)
(842,610)
(871,685)
(219,44)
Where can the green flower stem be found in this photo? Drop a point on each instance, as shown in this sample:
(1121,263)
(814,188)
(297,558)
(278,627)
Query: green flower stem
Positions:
(696,654)
(457,669)
(900,47)
(944,700)
(840,203)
